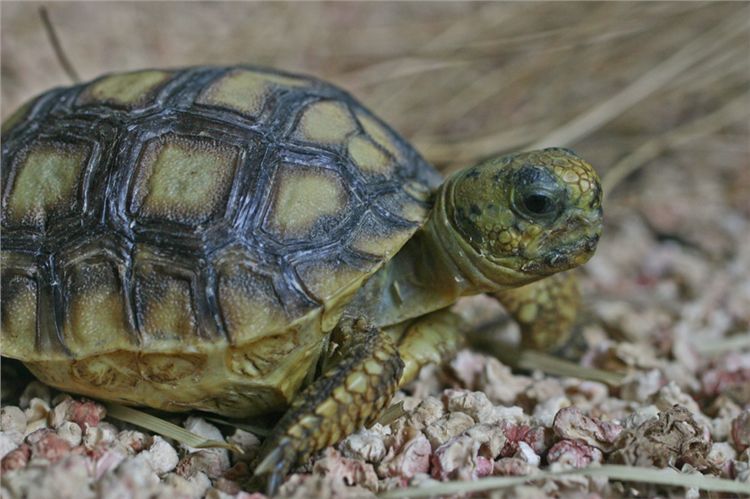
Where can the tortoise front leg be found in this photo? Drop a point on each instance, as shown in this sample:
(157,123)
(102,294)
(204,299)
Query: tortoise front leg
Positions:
(432,339)
(545,310)
(351,394)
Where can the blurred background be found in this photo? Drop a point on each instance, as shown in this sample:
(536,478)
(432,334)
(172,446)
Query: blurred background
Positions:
(655,95)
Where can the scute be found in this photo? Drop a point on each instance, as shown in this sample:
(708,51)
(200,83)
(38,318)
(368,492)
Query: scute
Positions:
(305,199)
(47,178)
(183,179)
(245,91)
(187,239)
(369,158)
(164,306)
(95,312)
(380,135)
(328,278)
(325,122)
(248,301)
(18,315)
(376,238)
(126,90)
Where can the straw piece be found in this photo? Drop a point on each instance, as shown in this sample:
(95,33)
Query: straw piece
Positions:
(611,471)
(165,428)
(734,110)
(530,359)
(255,430)
(593,119)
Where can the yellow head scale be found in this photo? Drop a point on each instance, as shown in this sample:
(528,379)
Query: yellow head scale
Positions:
(534,213)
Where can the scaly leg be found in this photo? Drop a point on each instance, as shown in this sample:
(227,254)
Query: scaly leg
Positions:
(349,395)
(431,339)
(545,310)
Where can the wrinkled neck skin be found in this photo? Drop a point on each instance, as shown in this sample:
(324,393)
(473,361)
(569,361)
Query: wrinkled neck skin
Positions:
(433,270)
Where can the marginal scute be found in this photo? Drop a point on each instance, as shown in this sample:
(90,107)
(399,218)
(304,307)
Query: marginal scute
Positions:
(172,367)
(46,182)
(325,122)
(260,357)
(368,157)
(164,305)
(245,91)
(18,329)
(249,306)
(17,117)
(379,134)
(127,90)
(304,197)
(111,371)
(184,179)
(326,279)
(404,207)
(378,239)
(95,318)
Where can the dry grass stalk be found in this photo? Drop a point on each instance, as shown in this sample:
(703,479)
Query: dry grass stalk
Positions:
(609,471)
(703,47)
(733,111)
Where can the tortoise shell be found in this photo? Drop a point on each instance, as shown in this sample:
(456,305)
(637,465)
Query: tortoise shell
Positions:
(186,238)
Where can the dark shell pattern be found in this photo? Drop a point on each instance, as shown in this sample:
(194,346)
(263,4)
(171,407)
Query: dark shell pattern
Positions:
(161,211)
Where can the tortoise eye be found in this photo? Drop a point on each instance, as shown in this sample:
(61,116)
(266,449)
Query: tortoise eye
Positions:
(539,204)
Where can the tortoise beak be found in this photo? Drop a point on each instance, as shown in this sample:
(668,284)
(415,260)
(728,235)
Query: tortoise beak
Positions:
(576,241)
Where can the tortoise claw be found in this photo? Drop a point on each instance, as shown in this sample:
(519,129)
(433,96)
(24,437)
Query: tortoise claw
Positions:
(275,465)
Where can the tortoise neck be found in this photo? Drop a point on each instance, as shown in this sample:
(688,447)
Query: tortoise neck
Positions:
(432,271)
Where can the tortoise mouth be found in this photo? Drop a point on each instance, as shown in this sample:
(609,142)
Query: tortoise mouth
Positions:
(563,257)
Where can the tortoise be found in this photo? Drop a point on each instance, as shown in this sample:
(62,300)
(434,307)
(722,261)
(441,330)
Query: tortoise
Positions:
(242,240)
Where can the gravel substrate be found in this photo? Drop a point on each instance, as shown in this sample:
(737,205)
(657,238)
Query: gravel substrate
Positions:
(667,294)
(663,307)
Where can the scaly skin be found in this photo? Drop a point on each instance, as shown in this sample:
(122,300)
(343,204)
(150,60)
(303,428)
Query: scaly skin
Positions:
(500,227)
(545,310)
(351,394)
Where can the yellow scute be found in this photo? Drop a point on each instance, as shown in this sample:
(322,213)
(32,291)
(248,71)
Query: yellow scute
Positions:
(325,122)
(95,320)
(248,302)
(379,134)
(18,330)
(165,305)
(302,197)
(46,181)
(185,180)
(327,281)
(367,156)
(126,89)
(381,245)
(244,90)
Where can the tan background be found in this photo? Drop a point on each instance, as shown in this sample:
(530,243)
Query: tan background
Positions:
(461,80)
(656,89)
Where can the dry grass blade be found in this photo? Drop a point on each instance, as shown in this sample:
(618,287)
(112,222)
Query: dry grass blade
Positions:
(54,40)
(393,69)
(164,428)
(392,414)
(654,476)
(456,153)
(444,43)
(255,430)
(718,347)
(734,110)
(533,360)
(653,80)
(529,359)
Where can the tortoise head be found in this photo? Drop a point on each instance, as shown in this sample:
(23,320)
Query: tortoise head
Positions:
(525,216)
